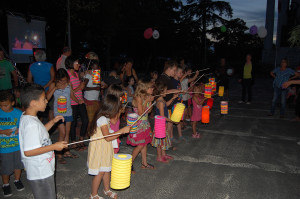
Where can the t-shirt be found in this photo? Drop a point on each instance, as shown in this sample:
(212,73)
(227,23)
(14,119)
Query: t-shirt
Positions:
(33,135)
(247,71)
(164,78)
(92,94)
(8,120)
(5,74)
(41,73)
(177,86)
(185,86)
(61,62)
(282,76)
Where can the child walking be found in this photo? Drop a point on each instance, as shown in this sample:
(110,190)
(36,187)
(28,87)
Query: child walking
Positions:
(141,101)
(161,109)
(37,150)
(9,148)
(61,90)
(197,101)
(100,152)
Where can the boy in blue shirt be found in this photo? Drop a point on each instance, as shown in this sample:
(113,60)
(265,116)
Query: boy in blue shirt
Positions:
(9,142)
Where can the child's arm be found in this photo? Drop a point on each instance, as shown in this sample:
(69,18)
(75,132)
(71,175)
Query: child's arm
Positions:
(171,100)
(97,88)
(160,107)
(115,135)
(142,105)
(197,100)
(193,78)
(52,77)
(7,132)
(51,90)
(58,146)
(53,121)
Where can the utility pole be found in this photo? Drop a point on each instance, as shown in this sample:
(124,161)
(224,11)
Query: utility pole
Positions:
(69,23)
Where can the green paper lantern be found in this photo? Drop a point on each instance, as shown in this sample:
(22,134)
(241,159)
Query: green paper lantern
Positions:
(223,28)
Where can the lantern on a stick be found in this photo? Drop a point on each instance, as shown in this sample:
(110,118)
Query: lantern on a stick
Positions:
(121,171)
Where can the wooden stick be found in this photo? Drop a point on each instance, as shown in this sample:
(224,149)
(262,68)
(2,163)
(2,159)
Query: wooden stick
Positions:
(200,70)
(179,91)
(98,138)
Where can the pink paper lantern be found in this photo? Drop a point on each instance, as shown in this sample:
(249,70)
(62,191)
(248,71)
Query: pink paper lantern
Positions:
(160,126)
(148,33)
(253,30)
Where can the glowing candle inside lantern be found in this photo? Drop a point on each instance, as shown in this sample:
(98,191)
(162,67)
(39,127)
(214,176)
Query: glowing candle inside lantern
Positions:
(160,126)
(221,91)
(124,98)
(224,107)
(205,114)
(210,102)
(207,91)
(211,79)
(131,118)
(121,171)
(62,104)
(178,112)
(96,76)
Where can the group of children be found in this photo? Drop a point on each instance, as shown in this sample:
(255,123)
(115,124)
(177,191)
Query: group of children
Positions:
(26,138)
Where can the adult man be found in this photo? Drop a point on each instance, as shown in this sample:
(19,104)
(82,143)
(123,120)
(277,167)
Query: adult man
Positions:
(6,70)
(66,52)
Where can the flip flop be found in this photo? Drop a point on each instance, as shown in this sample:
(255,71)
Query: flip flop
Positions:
(148,166)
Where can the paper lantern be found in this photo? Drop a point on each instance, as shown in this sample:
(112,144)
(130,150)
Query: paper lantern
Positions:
(124,98)
(96,76)
(224,107)
(62,104)
(223,28)
(205,115)
(148,33)
(131,118)
(213,86)
(210,103)
(178,112)
(155,34)
(160,126)
(211,79)
(253,30)
(207,91)
(121,171)
(262,32)
(221,91)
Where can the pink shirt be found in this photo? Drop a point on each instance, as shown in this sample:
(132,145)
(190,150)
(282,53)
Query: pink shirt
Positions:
(75,84)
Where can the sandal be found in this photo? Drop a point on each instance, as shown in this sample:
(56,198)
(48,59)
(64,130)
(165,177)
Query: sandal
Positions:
(110,194)
(162,160)
(148,166)
(61,160)
(95,196)
(168,157)
(70,155)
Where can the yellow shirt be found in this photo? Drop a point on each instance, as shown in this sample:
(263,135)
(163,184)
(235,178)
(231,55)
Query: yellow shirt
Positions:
(247,71)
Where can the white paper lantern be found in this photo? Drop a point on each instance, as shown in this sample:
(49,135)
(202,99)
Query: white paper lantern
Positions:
(262,32)
(155,34)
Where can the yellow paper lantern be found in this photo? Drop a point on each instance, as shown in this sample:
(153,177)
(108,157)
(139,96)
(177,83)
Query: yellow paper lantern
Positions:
(121,171)
(221,91)
(178,112)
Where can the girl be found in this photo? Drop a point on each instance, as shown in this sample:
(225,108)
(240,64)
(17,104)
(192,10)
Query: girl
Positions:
(62,106)
(161,109)
(100,152)
(117,91)
(77,104)
(197,101)
(141,101)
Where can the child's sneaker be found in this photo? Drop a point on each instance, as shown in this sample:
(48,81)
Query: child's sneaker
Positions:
(19,185)
(6,191)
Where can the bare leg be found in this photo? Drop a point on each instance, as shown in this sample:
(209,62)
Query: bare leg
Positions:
(194,126)
(170,129)
(163,152)
(179,129)
(136,151)
(61,137)
(5,179)
(158,152)
(17,173)
(144,155)
(96,183)
(68,128)
(106,183)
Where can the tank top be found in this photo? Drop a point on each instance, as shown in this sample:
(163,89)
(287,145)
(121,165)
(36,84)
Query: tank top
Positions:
(62,102)
(75,83)
(166,112)
(126,78)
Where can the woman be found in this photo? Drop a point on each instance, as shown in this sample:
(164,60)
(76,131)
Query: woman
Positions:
(128,71)
(246,80)
(280,76)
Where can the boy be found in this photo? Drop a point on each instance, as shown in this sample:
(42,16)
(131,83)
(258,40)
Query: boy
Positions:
(9,142)
(37,151)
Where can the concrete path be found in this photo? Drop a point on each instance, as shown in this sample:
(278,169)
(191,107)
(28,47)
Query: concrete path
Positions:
(244,155)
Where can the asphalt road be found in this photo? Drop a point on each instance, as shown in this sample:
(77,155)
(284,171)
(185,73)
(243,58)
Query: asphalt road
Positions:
(244,155)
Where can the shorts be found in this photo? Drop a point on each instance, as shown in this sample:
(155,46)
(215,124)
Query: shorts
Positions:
(67,119)
(43,188)
(9,162)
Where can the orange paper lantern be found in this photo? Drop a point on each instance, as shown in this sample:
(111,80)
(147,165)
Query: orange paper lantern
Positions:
(205,114)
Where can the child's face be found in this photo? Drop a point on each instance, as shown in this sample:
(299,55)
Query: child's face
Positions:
(150,90)
(95,67)
(17,94)
(131,82)
(40,104)
(7,106)
(76,65)
(155,76)
(179,73)
(189,71)
(173,71)
(63,80)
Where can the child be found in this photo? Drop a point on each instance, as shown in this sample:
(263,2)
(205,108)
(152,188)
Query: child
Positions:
(78,106)
(91,92)
(18,104)
(100,152)
(197,101)
(130,92)
(185,80)
(161,109)
(117,91)
(37,151)
(141,101)
(61,90)
(154,76)
(9,148)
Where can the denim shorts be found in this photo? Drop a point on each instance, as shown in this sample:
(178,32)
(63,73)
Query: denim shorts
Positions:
(67,119)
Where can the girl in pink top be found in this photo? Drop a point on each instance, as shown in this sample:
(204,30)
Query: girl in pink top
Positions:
(197,101)
(78,106)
